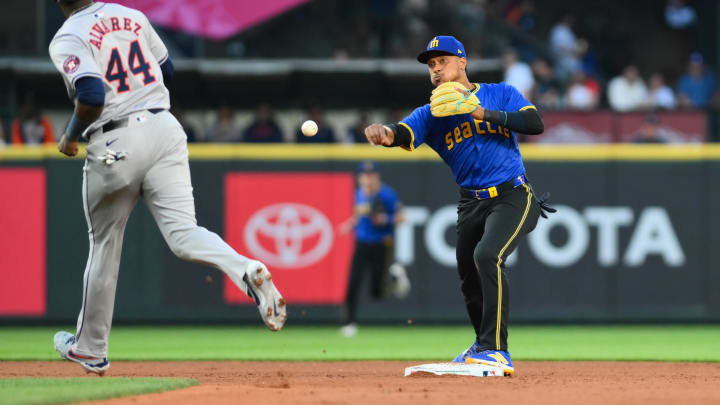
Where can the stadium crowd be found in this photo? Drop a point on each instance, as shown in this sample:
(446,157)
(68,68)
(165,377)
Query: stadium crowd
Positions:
(554,67)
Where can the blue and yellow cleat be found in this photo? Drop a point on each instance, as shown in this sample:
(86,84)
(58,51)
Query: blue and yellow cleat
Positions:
(496,358)
(473,349)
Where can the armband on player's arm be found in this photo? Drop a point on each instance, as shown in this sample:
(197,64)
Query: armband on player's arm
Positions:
(402,135)
(528,122)
(168,70)
(90,99)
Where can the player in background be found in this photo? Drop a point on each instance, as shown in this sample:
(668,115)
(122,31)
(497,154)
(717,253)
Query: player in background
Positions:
(377,211)
(473,128)
(115,67)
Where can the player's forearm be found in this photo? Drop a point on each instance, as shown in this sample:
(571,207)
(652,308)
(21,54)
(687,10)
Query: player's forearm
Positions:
(401,135)
(528,122)
(88,113)
(81,120)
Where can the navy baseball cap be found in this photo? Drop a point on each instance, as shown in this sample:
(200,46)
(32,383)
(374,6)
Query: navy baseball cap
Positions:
(443,44)
(367,167)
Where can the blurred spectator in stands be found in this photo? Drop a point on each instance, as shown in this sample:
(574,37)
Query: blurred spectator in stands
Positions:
(547,92)
(225,128)
(517,73)
(650,131)
(382,24)
(31,127)
(627,92)
(264,128)
(661,95)
(189,128)
(522,15)
(413,22)
(564,46)
(470,17)
(583,92)
(679,15)
(325,134)
(696,87)
(356,133)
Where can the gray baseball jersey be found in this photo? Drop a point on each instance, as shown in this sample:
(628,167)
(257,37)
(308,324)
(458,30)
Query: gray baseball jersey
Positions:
(137,149)
(116,44)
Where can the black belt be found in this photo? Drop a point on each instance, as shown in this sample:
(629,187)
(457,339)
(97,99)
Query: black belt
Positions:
(494,191)
(122,122)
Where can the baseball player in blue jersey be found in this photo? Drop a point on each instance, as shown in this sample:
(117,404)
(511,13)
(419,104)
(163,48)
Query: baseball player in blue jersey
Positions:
(377,212)
(473,128)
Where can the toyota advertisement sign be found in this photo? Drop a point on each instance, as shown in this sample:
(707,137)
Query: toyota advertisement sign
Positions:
(288,221)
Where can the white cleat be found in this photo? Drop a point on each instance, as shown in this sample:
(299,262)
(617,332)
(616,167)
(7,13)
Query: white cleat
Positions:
(261,288)
(64,344)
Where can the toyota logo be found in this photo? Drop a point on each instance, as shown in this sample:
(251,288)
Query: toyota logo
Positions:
(289,235)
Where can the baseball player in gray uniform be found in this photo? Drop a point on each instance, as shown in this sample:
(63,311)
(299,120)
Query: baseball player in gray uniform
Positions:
(115,66)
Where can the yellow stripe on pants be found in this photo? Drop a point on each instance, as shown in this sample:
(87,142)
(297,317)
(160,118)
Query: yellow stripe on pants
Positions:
(499,262)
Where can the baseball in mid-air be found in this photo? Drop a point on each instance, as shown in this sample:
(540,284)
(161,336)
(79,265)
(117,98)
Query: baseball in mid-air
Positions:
(309,128)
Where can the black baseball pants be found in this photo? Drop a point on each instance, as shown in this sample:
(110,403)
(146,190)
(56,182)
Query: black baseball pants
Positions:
(373,258)
(488,231)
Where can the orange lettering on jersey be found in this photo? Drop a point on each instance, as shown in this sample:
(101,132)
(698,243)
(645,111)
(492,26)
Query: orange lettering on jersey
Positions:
(466,131)
(99,29)
(105,26)
(458,138)
(97,44)
(507,133)
(449,141)
(478,129)
(490,130)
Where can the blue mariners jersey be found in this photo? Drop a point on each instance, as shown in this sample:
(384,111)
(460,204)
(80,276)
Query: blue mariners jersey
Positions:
(479,153)
(365,230)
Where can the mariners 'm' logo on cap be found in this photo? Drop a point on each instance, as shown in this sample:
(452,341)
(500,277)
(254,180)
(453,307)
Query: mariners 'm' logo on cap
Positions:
(434,43)
(71,64)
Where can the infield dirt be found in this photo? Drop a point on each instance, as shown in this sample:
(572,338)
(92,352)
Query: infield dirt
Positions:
(382,382)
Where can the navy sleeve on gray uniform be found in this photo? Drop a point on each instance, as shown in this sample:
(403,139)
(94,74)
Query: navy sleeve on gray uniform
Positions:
(90,91)
(168,70)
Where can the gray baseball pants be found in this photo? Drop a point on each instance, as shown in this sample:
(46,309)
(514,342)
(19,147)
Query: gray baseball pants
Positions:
(156,170)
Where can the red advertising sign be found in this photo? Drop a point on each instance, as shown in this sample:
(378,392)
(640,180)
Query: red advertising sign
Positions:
(668,127)
(22,242)
(289,222)
(608,126)
(576,127)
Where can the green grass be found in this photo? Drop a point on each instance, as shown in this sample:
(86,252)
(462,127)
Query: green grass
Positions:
(63,390)
(654,343)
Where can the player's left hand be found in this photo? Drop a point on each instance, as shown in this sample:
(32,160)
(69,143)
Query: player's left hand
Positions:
(68,147)
(452,98)
(377,134)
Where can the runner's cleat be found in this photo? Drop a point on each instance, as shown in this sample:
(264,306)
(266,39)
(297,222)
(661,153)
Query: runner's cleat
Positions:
(261,289)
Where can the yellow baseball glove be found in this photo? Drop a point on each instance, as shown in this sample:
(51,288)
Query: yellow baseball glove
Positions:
(452,98)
